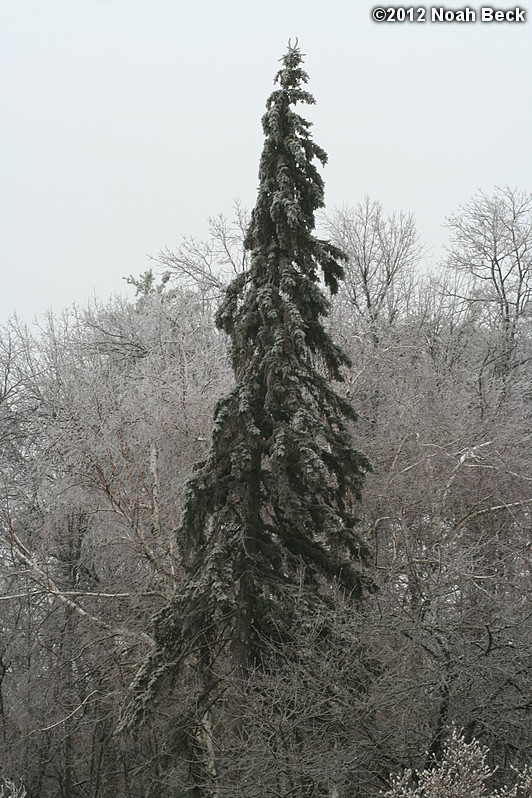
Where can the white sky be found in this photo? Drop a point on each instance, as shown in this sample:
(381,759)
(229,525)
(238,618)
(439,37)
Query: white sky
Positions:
(127,123)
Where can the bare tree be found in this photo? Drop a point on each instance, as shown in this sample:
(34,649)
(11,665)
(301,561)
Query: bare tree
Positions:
(206,266)
(384,253)
(491,243)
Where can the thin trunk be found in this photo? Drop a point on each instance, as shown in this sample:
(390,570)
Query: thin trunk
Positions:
(203,768)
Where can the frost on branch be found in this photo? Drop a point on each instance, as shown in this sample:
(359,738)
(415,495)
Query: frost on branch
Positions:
(462,773)
(9,789)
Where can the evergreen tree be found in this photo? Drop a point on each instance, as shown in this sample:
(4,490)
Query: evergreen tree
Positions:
(269,515)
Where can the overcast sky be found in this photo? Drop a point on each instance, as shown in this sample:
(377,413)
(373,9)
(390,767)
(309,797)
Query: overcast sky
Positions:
(127,123)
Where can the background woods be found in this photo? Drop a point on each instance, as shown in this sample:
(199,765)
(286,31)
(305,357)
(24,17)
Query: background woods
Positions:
(104,411)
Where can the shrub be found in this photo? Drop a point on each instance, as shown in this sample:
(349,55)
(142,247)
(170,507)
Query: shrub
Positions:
(462,773)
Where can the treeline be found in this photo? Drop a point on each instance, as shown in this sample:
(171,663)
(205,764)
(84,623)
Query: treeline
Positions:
(105,409)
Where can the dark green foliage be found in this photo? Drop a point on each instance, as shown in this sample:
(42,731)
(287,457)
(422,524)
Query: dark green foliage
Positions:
(270,513)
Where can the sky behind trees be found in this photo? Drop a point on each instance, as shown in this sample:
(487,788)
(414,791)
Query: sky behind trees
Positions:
(127,124)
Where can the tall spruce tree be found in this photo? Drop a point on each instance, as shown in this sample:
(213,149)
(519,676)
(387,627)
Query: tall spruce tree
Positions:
(269,515)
